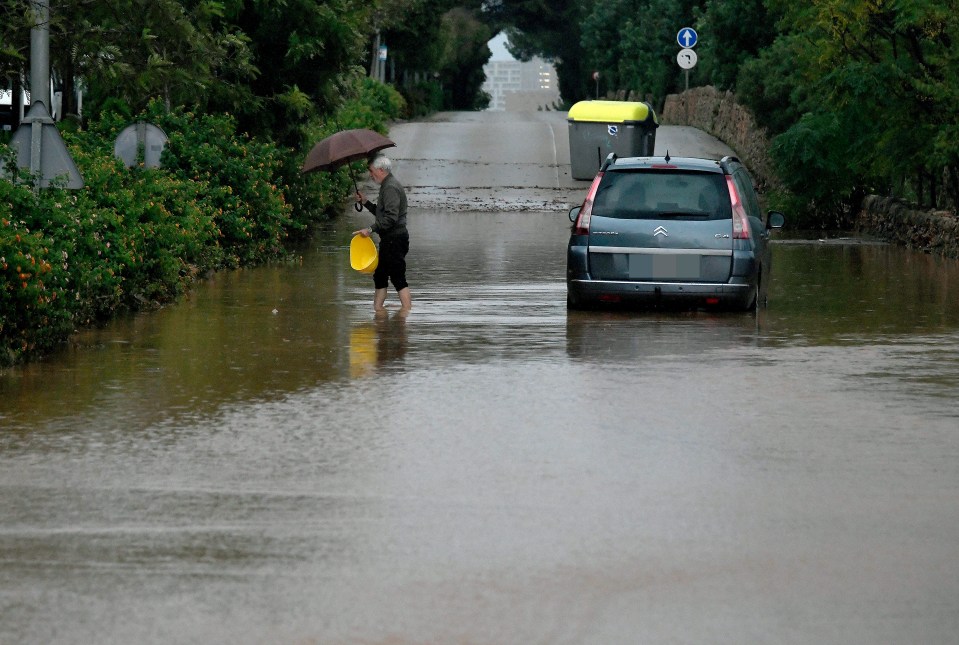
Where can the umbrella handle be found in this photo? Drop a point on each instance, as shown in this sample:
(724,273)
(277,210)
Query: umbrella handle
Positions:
(358,206)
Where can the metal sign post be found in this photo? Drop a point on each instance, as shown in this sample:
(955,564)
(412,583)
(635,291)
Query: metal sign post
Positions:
(686,58)
(687,39)
(381,55)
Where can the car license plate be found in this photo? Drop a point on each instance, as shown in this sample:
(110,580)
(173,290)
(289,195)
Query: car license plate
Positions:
(671,266)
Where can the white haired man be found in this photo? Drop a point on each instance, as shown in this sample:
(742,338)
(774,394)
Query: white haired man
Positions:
(390,224)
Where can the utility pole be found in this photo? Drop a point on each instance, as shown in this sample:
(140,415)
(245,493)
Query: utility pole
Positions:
(375,58)
(40,54)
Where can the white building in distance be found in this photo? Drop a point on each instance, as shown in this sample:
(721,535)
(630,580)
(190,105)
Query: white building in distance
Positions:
(515,86)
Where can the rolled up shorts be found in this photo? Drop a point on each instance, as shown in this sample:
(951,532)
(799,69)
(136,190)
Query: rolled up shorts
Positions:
(392,263)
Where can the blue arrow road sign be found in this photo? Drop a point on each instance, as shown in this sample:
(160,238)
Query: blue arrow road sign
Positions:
(687,37)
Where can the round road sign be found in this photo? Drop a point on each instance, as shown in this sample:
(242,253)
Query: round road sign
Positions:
(687,37)
(686,58)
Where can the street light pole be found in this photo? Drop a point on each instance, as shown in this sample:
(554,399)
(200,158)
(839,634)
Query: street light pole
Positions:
(40,53)
(375,58)
(37,143)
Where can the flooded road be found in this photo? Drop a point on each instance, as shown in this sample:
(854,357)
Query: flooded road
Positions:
(268,462)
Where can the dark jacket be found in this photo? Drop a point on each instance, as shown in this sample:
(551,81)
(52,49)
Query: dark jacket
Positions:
(390,209)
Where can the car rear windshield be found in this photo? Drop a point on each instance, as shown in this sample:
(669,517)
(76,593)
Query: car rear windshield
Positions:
(663,194)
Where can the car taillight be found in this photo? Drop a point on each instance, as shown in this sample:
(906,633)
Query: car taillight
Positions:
(585,213)
(740,218)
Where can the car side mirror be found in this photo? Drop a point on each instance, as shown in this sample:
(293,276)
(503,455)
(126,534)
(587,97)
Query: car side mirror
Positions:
(574,213)
(776,219)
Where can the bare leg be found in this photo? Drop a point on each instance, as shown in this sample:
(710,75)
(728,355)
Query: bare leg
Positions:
(379,300)
(406,299)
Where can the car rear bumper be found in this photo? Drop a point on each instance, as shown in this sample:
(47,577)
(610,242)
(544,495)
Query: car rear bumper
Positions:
(734,294)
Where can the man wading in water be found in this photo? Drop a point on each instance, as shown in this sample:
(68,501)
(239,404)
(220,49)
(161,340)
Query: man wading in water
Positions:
(390,225)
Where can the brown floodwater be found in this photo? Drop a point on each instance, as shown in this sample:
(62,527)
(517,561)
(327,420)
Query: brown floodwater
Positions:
(269,462)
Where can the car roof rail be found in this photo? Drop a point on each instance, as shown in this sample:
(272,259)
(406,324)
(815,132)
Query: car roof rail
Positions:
(728,159)
(610,160)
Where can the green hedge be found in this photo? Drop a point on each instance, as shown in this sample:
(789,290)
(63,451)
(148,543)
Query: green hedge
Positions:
(138,237)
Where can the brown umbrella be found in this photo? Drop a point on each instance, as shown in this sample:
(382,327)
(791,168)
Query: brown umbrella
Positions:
(343,148)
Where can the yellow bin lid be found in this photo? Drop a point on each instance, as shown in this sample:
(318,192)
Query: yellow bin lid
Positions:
(611,112)
(363,256)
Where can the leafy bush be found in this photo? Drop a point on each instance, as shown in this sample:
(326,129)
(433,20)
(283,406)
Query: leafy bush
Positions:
(136,237)
(234,179)
(35,306)
(140,236)
(423,98)
(383,100)
(812,157)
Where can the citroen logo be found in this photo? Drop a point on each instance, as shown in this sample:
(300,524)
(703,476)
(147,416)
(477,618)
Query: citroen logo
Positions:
(661,230)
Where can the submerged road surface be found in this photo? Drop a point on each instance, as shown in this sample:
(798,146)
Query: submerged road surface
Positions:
(269,462)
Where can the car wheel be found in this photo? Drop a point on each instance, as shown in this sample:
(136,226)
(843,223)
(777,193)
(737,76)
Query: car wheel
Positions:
(762,295)
(752,305)
(575,304)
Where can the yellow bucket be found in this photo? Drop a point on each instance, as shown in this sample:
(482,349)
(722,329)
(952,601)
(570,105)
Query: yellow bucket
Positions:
(363,256)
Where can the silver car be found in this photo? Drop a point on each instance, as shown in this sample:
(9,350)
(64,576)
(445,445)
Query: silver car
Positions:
(670,232)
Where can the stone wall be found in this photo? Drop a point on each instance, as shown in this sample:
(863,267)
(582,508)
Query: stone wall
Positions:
(897,221)
(720,115)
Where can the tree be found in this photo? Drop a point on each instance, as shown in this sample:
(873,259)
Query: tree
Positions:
(596,29)
(774,86)
(15,23)
(649,49)
(140,50)
(885,73)
(411,29)
(731,32)
(550,30)
(632,43)
(308,53)
(463,56)
(271,63)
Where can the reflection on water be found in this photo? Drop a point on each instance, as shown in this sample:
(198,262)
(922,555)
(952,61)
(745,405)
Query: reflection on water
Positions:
(624,337)
(362,350)
(377,344)
(823,293)
(242,335)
